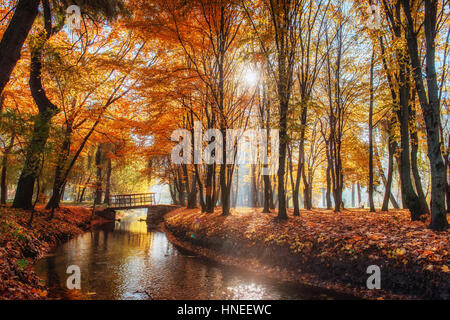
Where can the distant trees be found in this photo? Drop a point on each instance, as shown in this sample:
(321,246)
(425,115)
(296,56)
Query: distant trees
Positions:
(312,63)
(281,26)
(342,86)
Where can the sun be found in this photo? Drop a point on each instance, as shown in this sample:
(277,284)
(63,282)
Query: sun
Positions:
(250,77)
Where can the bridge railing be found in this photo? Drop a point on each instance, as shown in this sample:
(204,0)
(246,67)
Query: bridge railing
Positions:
(131,200)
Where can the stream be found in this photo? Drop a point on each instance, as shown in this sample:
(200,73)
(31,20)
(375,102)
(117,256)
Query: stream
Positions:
(133,260)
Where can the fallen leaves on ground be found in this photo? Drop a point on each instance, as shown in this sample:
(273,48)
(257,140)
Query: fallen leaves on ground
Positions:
(21,246)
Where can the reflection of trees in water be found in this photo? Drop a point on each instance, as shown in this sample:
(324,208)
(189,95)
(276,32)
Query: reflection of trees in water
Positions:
(109,227)
(52,276)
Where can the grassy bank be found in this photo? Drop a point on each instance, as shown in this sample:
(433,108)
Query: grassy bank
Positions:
(21,246)
(325,249)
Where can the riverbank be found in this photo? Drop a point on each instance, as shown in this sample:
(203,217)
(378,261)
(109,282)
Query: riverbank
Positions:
(324,249)
(21,246)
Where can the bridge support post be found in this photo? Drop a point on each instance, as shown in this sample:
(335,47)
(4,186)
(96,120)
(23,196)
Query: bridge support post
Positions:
(108,214)
(155,214)
(149,214)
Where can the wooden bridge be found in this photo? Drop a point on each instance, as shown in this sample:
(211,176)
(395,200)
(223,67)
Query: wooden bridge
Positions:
(131,201)
(147,201)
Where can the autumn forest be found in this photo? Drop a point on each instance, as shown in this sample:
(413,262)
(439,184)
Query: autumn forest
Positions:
(313,135)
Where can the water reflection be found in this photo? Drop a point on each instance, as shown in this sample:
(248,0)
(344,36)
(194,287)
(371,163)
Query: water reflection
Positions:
(131,260)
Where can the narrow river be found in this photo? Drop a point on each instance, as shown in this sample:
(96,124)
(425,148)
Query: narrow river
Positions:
(132,260)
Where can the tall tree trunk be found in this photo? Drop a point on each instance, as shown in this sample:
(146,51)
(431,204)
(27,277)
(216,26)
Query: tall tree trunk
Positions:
(430,105)
(400,88)
(25,185)
(83,191)
(358,188)
(99,182)
(236,192)
(63,191)
(224,174)
(353,195)
(295,184)
(409,196)
(272,204)
(173,193)
(59,181)
(328,174)
(108,182)
(283,137)
(210,186)
(14,37)
(267,193)
(446,166)
(414,166)
(392,146)
(307,191)
(254,203)
(3,183)
(370,189)
(179,183)
(200,189)
(191,188)
(192,194)
(301,167)
(42,123)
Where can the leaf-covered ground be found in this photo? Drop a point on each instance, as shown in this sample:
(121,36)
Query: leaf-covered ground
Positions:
(21,246)
(336,247)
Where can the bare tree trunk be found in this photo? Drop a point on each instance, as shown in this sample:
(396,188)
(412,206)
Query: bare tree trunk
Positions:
(430,105)
(358,188)
(99,182)
(370,189)
(328,193)
(307,191)
(59,182)
(63,191)
(4,185)
(295,184)
(236,191)
(409,196)
(192,194)
(108,182)
(301,167)
(191,188)
(83,191)
(392,146)
(255,202)
(414,166)
(210,186)
(282,213)
(200,189)
(25,185)
(353,195)
(446,166)
(267,194)
(400,89)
